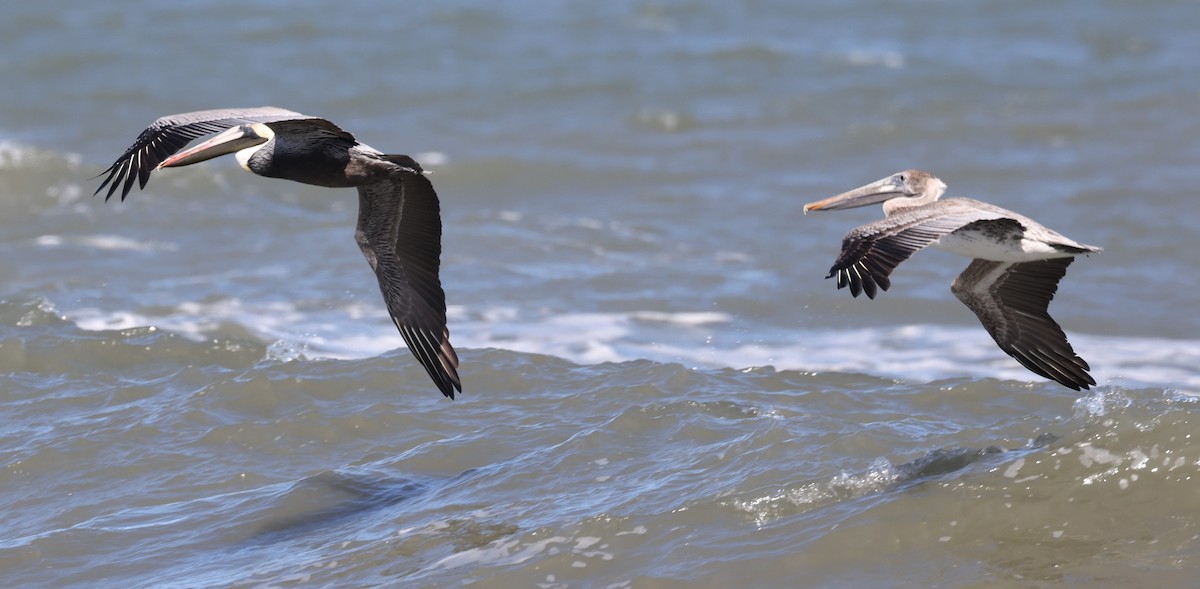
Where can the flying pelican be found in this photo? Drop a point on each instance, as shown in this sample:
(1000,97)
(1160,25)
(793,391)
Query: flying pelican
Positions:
(1016,265)
(399,224)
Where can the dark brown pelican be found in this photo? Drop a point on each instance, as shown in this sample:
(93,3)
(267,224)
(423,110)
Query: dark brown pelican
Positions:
(1016,265)
(399,223)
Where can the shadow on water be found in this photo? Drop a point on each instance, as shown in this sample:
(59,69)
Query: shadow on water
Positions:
(947,460)
(331,497)
(882,477)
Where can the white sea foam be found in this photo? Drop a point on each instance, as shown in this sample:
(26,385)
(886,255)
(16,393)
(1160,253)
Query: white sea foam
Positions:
(432,158)
(104,242)
(697,339)
(16,155)
(766,509)
(888,59)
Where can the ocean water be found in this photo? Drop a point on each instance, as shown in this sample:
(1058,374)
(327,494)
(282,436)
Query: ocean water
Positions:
(200,386)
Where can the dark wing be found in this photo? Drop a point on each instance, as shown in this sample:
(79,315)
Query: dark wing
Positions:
(1011,301)
(870,253)
(167,135)
(400,232)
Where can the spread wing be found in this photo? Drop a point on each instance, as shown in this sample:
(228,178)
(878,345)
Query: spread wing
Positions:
(400,233)
(871,252)
(167,135)
(1011,301)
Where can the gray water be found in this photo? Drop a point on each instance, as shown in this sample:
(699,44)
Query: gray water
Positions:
(201,387)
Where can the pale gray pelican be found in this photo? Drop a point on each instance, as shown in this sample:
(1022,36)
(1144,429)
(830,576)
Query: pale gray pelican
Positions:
(1016,265)
(399,223)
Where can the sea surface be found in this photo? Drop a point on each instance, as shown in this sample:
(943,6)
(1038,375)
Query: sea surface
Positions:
(200,386)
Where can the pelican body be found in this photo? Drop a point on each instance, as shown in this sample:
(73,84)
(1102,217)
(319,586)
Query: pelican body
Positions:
(1015,269)
(399,221)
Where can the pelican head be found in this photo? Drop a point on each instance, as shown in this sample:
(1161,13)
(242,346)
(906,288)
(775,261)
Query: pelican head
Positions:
(242,139)
(914,186)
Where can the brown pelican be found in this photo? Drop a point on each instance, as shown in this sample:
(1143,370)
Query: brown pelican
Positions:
(1016,265)
(399,224)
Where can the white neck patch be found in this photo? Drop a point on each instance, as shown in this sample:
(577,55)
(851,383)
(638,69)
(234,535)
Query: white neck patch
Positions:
(243,156)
